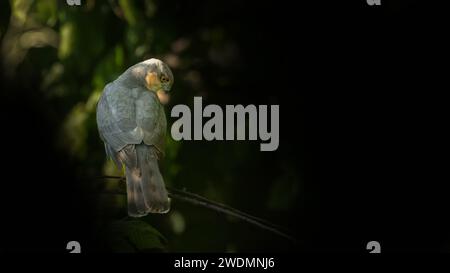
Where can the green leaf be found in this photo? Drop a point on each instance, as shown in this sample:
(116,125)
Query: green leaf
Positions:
(134,236)
(67,44)
(47,11)
(129,11)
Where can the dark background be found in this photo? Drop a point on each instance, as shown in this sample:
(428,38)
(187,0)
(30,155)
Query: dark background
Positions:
(358,123)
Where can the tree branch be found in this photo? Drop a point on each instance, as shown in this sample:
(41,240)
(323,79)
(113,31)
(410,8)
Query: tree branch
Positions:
(198,200)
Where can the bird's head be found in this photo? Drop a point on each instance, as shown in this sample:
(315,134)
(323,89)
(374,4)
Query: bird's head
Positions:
(155,74)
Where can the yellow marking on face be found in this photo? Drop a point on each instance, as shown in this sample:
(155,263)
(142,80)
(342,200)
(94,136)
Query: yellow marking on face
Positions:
(152,81)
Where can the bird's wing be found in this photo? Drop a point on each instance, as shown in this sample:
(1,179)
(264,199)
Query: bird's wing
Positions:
(130,117)
(150,117)
(116,118)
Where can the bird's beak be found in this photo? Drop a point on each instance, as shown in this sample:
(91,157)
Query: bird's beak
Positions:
(165,91)
(163,96)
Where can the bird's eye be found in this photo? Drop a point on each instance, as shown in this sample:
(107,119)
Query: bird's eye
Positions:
(164,79)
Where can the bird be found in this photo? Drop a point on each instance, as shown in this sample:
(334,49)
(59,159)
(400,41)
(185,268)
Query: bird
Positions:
(132,124)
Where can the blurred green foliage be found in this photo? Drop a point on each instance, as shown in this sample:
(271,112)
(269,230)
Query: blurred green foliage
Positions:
(134,236)
(72,52)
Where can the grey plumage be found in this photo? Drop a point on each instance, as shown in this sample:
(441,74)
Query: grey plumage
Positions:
(132,123)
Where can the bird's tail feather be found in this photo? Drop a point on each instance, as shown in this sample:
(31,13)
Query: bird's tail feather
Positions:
(146,191)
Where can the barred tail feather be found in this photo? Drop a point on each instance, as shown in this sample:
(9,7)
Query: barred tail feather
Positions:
(146,191)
